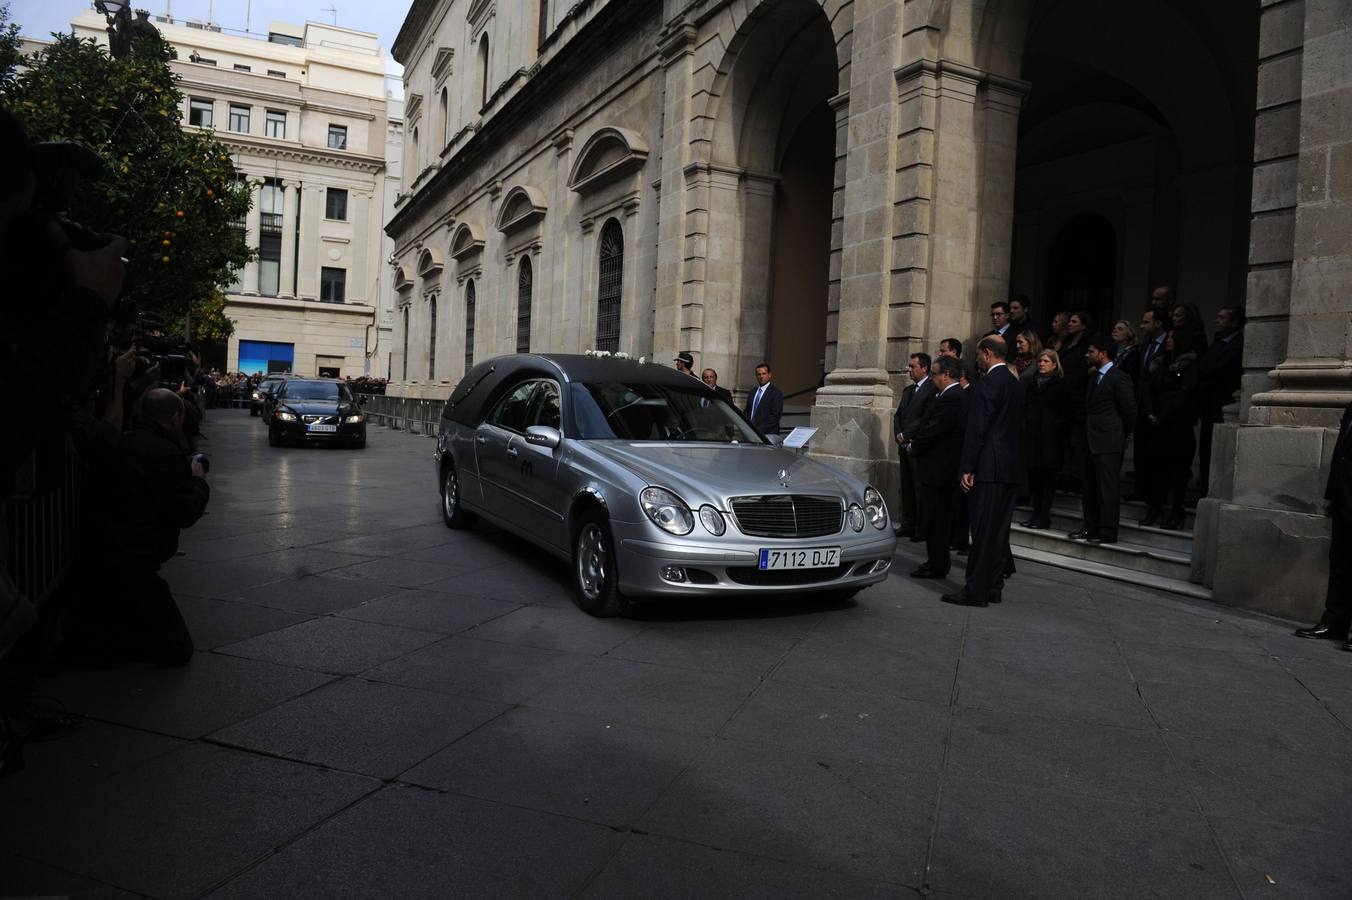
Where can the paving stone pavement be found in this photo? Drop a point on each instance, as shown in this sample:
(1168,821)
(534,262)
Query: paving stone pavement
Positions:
(381,707)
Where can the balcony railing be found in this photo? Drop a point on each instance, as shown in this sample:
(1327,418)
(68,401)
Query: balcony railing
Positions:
(270,223)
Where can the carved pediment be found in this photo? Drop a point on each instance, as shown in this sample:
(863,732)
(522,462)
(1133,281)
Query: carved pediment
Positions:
(441,64)
(607,155)
(522,206)
(413,108)
(466,241)
(478,11)
(430,263)
(401,280)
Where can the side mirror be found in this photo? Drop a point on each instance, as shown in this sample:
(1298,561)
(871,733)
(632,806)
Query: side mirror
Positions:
(775,439)
(543,436)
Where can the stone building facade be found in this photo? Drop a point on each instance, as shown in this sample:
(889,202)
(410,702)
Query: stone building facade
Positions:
(831,185)
(304,115)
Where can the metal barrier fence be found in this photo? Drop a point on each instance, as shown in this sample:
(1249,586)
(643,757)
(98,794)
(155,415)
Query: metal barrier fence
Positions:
(412,414)
(41,531)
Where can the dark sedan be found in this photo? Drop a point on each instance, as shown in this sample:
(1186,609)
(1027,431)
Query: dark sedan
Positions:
(318,410)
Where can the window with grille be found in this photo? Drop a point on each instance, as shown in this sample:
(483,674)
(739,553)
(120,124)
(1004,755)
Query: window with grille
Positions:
(239,118)
(608,293)
(271,202)
(525,279)
(274,124)
(335,204)
(199,112)
(432,338)
(469,325)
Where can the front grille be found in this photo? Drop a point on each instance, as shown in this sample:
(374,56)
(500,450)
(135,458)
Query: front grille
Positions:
(788,515)
(779,577)
(320,420)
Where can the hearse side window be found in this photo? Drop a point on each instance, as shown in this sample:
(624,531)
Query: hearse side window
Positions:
(513,410)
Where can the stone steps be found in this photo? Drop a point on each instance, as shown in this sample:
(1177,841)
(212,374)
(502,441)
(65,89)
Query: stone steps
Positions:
(1146,556)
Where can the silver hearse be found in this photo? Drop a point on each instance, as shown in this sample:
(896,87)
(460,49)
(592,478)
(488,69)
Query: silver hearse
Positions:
(649,484)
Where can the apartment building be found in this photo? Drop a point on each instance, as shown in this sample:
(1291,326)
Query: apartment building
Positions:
(304,112)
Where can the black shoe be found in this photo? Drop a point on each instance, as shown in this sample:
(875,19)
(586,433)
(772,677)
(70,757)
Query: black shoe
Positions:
(996,597)
(1081,535)
(1102,539)
(1347,645)
(917,539)
(1324,631)
(962,598)
(1174,522)
(1031,523)
(1152,515)
(925,572)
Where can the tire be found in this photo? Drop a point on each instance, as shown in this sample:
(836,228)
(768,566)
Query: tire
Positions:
(252,411)
(452,512)
(273,440)
(596,578)
(360,443)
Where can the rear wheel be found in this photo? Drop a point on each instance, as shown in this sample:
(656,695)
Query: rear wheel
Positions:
(595,575)
(452,513)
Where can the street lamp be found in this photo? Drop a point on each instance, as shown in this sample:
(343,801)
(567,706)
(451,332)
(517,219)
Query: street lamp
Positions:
(121,29)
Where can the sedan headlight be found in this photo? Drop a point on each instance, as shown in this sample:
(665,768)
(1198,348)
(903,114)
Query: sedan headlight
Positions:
(667,511)
(353,420)
(284,416)
(257,396)
(856,517)
(712,520)
(874,508)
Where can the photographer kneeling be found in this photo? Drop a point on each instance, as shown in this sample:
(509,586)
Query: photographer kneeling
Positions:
(150,490)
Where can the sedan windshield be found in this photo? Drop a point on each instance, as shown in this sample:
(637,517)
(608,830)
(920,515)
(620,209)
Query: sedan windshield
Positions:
(314,390)
(655,412)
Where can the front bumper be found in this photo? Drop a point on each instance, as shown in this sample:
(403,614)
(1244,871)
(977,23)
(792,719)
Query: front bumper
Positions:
(296,431)
(729,565)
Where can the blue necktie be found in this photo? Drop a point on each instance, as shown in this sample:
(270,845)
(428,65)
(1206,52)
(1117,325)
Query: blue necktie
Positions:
(755,402)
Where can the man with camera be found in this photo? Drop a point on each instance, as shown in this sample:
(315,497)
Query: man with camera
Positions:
(152,489)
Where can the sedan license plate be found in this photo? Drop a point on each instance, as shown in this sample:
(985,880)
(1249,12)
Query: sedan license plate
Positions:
(803,558)
(328,428)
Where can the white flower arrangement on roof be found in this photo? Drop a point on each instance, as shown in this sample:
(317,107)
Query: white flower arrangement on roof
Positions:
(617,354)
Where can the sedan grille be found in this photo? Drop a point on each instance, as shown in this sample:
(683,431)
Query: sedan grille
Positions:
(320,420)
(788,515)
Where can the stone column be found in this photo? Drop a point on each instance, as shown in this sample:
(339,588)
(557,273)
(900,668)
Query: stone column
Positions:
(360,249)
(251,236)
(307,261)
(1268,471)
(853,410)
(680,262)
(287,283)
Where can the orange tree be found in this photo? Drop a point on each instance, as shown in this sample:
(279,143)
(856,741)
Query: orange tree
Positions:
(174,194)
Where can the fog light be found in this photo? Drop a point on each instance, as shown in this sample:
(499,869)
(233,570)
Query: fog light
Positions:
(673,573)
(882,565)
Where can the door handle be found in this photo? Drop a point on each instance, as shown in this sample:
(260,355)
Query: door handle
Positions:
(481,439)
(512,451)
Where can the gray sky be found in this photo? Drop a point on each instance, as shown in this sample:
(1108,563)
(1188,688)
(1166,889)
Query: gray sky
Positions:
(38,18)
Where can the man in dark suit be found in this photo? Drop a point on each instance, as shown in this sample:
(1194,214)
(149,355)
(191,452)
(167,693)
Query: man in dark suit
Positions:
(1222,367)
(991,471)
(765,406)
(1000,322)
(1154,332)
(1110,413)
(915,398)
(935,450)
(1333,624)
(710,377)
(1021,318)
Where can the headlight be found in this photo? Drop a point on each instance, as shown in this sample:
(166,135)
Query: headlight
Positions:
(256,396)
(667,511)
(353,420)
(856,516)
(284,416)
(875,509)
(712,520)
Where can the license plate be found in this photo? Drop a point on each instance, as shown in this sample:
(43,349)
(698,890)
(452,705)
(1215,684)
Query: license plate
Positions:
(321,427)
(802,558)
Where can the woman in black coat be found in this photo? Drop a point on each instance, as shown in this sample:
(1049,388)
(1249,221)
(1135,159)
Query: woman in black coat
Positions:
(1046,401)
(1171,410)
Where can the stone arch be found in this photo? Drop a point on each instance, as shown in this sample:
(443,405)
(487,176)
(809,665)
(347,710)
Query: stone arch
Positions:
(430,263)
(742,65)
(466,241)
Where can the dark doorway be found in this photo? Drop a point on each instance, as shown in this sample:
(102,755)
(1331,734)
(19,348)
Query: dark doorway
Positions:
(1082,269)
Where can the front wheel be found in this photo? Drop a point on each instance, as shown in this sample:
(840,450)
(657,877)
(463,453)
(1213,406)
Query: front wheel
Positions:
(452,513)
(595,575)
(273,440)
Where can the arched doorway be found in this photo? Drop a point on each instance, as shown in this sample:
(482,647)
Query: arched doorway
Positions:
(1138,124)
(772,172)
(1082,269)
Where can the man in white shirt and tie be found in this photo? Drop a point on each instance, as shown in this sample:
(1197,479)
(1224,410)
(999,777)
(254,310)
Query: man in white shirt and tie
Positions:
(765,406)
